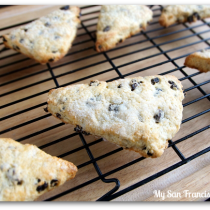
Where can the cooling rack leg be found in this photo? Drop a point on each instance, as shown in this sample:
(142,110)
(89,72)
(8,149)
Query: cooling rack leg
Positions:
(117,182)
(111,191)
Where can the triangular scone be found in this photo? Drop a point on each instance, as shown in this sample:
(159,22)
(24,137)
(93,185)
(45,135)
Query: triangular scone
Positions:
(183,13)
(26,172)
(199,60)
(118,22)
(47,39)
(139,114)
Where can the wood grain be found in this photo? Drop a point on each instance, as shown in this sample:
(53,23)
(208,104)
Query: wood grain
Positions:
(25,85)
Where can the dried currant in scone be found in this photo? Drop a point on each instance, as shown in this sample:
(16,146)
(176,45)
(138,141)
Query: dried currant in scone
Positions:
(53,183)
(190,19)
(16,47)
(159,116)
(41,188)
(147,151)
(51,59)
(155,80)
(99,47)
(134,84)
(195,14)
(65,7)
(19,182)
(173,85)
(78,129)
(113,107)
(133,81)
(58,115)
(157,91)
(85,133)
(94,83)
(107,28)
(57,37)
(47,24)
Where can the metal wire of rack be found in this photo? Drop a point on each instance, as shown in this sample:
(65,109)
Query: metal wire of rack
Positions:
(147,36)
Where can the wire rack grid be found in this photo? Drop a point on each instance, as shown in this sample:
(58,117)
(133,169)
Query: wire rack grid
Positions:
(146,53)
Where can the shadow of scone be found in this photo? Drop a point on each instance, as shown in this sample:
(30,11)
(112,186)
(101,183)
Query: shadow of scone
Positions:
(139,114)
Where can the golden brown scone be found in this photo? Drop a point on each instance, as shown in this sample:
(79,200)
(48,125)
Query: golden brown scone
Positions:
(26,172)
(139,114)
(47,39)
(199,61)
(183,13)
(118,22)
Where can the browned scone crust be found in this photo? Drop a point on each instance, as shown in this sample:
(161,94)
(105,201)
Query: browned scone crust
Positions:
(47,39)
(26,172)
(118,22)
(139,114)
(199,61)
(183,13)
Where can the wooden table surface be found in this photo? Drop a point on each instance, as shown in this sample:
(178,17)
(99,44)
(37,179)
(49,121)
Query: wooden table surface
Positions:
(24,80)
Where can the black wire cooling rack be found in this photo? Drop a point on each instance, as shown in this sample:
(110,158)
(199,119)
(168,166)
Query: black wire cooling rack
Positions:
(116,191)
